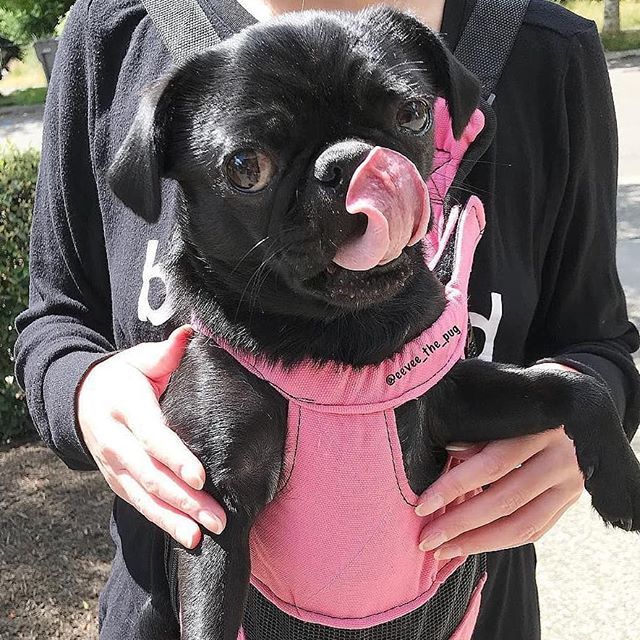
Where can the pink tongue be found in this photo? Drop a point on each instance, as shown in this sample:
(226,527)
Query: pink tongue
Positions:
(388,189)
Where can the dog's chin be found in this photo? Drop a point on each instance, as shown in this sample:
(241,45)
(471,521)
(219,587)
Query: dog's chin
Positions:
(358,290)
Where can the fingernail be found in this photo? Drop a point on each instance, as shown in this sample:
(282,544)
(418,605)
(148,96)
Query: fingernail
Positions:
(447,552)
(192,477)
(432,540)
(460,446)
(184,535)
(431,503)
(210,521)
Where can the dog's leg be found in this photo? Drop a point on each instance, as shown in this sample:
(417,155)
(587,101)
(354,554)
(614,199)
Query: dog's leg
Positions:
(213,579)
(236,425)
(212,583)
(482,401)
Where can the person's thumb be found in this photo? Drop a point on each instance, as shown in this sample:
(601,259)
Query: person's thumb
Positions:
(158,360)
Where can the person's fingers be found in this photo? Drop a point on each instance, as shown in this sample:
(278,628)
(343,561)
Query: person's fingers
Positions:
(557,366)
(127,456)
(464,450)
(492,463)
(142,414)
(526,525)
(557,517)
(158,360)
(506,496)
(176,524)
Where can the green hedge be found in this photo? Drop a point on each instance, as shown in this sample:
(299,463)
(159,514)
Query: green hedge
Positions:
(18,172)
(25,20)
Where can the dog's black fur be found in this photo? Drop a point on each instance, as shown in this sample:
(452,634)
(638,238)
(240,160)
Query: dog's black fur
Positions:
(316,92)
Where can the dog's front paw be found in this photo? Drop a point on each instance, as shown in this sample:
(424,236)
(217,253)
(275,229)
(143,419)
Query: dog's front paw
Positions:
(614,485)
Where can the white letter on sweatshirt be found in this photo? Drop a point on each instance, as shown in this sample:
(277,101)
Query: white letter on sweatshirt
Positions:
(488,326)
(150,270)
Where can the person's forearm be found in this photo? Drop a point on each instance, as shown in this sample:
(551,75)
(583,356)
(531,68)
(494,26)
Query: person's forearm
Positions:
(52,356)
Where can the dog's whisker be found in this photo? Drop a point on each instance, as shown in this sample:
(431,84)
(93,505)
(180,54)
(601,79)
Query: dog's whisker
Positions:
(489,162)
(279,236)
(255,246)
(250,281)
(255,282)
(475,191)
(259,281)
(407,71)
(406,62)
(254,298)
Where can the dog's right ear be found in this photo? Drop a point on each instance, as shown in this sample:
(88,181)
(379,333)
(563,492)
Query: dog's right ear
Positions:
(134,176)
(459,87)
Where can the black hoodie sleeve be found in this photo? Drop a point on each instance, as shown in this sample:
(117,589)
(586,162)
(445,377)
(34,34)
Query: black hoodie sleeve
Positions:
(582,318)
(67,326)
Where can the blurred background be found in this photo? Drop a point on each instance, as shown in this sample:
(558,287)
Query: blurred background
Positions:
(54,544)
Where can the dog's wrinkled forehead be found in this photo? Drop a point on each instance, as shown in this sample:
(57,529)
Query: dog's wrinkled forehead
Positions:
(328,60)
(313,72)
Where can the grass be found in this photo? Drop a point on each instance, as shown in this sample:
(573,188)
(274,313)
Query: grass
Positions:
(628,38)
(623,41)
(24,97)
(594,10)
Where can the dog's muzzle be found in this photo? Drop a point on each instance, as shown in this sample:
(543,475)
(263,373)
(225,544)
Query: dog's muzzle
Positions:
(389,190)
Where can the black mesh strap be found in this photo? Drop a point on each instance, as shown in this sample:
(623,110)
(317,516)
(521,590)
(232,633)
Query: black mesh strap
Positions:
(183,26)
(488,37)
(435,620)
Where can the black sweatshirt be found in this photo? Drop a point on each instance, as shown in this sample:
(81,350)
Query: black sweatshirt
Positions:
(544,282)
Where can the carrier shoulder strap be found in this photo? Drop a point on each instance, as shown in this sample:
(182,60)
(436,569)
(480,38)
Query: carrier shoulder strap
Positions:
(484,46)
(183,26)
(488,38)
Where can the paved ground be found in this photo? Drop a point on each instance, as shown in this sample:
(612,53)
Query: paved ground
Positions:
(589,576)
(21,127)
(625,79)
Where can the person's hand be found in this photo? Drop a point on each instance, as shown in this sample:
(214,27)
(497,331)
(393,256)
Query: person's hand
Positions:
(533,481)
(141,458)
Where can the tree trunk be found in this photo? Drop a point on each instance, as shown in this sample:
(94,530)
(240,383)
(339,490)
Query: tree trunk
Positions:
(611,16)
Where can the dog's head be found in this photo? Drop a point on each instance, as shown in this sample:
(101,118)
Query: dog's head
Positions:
(263,134)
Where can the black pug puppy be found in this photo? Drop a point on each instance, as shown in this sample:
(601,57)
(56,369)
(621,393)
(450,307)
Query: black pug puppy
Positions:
(263,134)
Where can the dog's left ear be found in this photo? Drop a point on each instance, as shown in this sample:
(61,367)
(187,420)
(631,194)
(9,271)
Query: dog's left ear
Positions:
(457,85)
(134,176)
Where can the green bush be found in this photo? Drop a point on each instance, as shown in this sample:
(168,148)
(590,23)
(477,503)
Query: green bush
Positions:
(18,172)
(25,20)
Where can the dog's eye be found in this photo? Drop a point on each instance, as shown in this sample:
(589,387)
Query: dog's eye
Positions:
(414,116)
(249,169)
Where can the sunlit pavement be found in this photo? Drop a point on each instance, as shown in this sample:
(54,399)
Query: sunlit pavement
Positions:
(589,576)
(21,127)
(625,79)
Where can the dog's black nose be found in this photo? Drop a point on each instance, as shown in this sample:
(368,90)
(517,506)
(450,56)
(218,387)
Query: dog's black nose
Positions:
(330,174)
(336,164)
